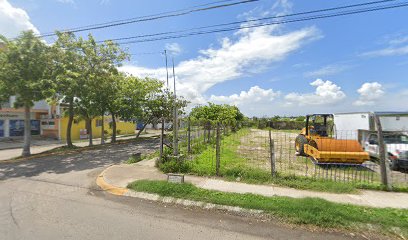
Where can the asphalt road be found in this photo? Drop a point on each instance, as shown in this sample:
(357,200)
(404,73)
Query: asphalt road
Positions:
(56,198)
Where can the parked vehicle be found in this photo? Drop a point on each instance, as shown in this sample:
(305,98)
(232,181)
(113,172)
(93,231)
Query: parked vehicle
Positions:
(396,145)
(361,126)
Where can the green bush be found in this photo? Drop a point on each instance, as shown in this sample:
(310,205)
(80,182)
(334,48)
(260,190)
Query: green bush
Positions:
(174,166)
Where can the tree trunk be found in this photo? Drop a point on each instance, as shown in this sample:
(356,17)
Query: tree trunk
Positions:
(141,130)
(27,131)
(113,128)
(90,131)
(103,130)
(70,120)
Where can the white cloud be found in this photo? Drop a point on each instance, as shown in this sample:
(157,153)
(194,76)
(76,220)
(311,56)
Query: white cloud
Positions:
(253,50)
(326,93)
(396,47)
(173,48)
(399,40)
(13,20)
(254,95)
(385,52)
(67,1)
(74,2)
(369,92)
(328,70)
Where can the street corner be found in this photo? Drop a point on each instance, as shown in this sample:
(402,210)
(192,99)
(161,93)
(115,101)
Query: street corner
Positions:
(108,187)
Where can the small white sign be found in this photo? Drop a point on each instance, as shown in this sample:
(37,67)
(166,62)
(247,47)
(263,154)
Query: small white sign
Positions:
(175,178)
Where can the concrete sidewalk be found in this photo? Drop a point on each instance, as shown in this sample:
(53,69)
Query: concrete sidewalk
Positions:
(120,175)
(7,154)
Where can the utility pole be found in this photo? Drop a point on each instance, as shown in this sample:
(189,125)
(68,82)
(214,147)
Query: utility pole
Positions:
(175,119)
(163,121)
(167,70)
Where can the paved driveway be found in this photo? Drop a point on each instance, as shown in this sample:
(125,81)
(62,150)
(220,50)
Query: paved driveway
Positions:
(56,197)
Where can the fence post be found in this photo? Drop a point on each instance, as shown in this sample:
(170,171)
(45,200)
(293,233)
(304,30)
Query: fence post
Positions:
(384,168)
(189,136)
(272,150)
(217,150)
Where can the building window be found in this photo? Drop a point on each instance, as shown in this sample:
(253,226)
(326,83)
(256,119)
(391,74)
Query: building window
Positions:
(16,128)
(98,123)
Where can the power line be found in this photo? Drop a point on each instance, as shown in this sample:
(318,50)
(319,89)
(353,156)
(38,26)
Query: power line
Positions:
(262,24)
(145,53)
(198,8)
(253,20)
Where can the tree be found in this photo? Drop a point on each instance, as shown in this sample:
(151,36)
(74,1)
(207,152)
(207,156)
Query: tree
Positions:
(161,105)
(24,67)
(213,113)
(100,63)
(145,99)
(68,71)
(140,99)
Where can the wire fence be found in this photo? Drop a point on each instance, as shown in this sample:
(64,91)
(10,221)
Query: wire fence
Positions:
(342,156)
(276,152)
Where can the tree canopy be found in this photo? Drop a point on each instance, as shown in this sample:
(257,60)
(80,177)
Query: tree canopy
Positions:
(215,113)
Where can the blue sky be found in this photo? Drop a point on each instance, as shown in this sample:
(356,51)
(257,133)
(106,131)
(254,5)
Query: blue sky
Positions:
(350,63)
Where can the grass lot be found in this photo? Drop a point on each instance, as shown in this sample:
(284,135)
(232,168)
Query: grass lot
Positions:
(311,211)
(234,166)
(245,157)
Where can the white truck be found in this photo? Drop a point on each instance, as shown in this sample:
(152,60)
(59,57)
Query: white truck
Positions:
(361,126)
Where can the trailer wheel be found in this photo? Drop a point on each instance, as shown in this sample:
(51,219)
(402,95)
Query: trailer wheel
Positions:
(300,142)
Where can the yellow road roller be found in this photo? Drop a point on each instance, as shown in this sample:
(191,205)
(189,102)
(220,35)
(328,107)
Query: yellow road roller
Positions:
(317,140)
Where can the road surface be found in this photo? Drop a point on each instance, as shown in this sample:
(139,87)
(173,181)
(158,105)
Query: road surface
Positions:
(56,198)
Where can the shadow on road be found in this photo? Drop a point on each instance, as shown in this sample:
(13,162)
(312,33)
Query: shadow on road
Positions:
(84,160)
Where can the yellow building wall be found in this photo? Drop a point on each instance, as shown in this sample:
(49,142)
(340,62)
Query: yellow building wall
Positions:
(121,128)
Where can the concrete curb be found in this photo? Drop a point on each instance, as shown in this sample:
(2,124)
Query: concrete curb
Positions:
(120,191)
(101,182)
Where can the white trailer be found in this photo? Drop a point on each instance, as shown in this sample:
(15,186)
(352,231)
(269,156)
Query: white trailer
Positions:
(356,125)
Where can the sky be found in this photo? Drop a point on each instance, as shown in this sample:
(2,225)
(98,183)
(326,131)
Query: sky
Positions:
(343,64)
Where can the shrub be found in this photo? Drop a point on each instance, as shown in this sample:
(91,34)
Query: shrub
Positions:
(174,166)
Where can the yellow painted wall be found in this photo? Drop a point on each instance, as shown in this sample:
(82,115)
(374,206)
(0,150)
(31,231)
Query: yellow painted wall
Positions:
(122,127)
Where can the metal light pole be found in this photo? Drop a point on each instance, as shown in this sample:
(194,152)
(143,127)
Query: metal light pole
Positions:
(167,70)
(175,120)
(163,121)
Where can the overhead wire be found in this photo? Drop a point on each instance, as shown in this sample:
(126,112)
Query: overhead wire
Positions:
(372,9)
(152,17)
(252,20)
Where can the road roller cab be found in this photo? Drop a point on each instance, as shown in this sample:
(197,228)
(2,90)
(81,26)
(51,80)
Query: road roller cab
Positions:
(317,140)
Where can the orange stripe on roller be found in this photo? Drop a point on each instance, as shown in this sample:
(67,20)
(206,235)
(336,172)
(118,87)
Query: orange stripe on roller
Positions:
(338,145)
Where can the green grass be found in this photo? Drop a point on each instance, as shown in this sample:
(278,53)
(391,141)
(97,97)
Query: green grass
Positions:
(313,211)
(133,159)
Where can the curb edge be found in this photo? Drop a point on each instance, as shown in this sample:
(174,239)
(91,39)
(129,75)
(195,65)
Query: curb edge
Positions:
(101,182)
